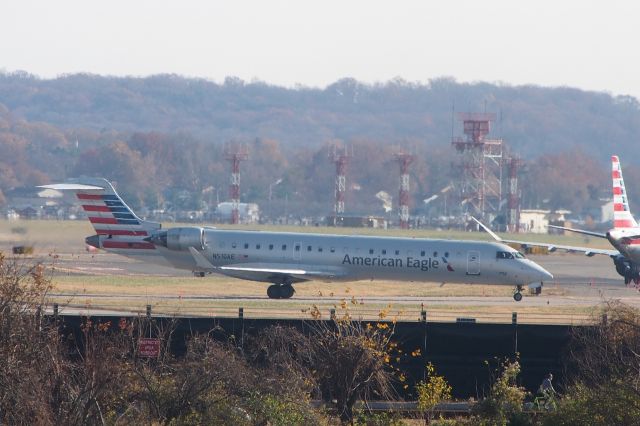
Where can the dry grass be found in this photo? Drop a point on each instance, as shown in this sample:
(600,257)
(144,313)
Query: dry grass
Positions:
(221,296)
(217,286)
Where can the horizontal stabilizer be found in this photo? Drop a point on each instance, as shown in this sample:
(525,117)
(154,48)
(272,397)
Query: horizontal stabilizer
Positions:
(72,187)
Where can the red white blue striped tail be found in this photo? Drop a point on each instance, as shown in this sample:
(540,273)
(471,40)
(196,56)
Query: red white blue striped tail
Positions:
(116,225)
(622,217)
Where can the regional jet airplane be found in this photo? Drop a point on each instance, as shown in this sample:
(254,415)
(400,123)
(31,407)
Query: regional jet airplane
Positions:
(284,259)
(625,235)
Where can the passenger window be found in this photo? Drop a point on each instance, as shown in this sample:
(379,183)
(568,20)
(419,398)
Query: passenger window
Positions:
(233,245)
(446,254)
(246,245)
(320,249)
(284,247)
(370,251)
(422,253)
(257,246)
(297,247)
(435,254)
(397,252)
(332,249)
(270,246)
(309,248)
(384,251)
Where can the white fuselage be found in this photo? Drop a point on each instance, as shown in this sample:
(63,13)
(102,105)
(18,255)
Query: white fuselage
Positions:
(347,258)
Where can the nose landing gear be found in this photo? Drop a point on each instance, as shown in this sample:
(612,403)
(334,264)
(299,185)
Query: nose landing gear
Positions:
(518,295)
(280,291)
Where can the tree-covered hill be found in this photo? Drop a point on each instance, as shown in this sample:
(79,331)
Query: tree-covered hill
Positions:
(534,120)
(163,137)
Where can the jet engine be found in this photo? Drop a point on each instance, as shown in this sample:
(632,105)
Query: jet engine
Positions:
(622,265)
(179,238)
(630,271)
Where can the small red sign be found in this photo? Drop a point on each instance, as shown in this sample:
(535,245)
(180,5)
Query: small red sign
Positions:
(149,348)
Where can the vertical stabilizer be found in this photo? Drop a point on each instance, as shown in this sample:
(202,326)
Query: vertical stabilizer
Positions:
(622,217)
(116,225)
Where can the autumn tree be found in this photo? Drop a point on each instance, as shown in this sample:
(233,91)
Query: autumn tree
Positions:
(351,362)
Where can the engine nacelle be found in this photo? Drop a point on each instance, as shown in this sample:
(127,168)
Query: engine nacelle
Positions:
(179,238)
(623,266)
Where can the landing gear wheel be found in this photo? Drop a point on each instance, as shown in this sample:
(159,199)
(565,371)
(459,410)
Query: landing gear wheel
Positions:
(273,291)
(280,291)
(286,291)
(518,296)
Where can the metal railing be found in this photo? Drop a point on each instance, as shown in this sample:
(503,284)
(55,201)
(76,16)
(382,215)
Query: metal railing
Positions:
(358,313)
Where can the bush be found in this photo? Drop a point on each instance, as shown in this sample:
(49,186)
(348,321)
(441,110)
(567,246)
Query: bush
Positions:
(505,401)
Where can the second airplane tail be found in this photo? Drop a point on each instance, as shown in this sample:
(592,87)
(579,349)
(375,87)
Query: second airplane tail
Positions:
(622,217)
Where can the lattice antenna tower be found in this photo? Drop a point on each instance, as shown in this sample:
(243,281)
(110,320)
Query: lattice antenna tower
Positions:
(404,159)
(235,153)
(480,166)
(340,155)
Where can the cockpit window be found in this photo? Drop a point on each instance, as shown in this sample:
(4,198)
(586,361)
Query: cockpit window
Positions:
(509,255)
(504,255)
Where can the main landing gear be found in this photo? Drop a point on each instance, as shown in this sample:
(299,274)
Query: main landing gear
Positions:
(518,295)
(280,291)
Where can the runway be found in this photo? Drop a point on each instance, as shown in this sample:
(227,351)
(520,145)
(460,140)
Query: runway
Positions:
(580,283)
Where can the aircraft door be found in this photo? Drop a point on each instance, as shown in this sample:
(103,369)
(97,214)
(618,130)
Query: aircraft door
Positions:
(297,250)
(473,263)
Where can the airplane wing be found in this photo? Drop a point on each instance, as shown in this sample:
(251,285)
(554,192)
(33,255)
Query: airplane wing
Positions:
(588,251)
(580,231)
(267,272)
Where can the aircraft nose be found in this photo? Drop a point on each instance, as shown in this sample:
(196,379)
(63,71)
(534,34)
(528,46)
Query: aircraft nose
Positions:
(540,273)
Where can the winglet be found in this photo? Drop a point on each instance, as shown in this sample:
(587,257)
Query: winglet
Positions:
(489,231)
(201,261)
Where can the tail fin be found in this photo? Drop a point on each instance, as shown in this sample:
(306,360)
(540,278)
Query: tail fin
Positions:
(622,217)
(108,214)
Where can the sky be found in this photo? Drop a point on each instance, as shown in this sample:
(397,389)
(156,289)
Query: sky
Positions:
(591,45)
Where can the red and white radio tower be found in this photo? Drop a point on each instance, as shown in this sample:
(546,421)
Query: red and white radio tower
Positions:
(340,157)
(513,215)
(235,155)
(405,161)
